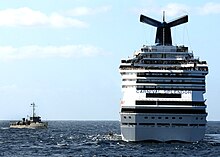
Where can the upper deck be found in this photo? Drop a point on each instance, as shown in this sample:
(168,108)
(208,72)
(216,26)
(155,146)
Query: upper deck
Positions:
(164,57)
(164,48)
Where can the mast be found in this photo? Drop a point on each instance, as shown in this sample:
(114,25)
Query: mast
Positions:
(164,29)
(33,105)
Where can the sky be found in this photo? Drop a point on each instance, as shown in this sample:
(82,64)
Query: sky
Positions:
(64,55)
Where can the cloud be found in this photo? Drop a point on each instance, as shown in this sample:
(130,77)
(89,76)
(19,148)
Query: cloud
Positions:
(174,9)
(7,88)
(28,17)
(68,51)
(171,9)
(177,9)
(57,20)
(209,8)
(83,11)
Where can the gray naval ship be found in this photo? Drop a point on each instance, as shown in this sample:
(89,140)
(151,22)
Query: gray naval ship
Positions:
(162,90)
(34,122)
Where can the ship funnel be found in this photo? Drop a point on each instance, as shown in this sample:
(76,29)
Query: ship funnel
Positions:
(163,36)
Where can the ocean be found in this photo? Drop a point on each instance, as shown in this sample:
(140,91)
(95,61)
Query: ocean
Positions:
(96,138)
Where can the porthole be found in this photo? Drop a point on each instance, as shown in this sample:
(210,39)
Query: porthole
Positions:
(173,118)
(152,117)
(145,117)
(166,118)
(159,117)
(124,117)
(129,117)
(180,118)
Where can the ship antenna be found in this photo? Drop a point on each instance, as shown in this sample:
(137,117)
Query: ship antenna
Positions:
(164,28)
(163,16)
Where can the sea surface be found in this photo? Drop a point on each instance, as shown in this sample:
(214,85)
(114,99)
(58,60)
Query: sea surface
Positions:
(96,138)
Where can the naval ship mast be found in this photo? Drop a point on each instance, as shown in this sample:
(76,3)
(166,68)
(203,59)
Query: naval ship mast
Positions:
(33,105)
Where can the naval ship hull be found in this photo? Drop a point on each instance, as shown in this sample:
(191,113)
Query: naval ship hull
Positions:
(30,126)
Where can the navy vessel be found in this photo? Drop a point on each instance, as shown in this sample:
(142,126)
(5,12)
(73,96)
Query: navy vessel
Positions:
(33,122)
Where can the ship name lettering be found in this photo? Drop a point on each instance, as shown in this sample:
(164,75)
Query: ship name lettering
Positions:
(165,91)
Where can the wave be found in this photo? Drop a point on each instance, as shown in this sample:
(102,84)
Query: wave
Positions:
(4,128)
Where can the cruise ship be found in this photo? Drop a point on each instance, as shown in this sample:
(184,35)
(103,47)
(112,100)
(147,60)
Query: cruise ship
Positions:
(162,90)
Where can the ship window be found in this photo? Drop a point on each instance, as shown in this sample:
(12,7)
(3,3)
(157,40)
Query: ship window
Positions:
(123,61)
(196,118)
(129,117)
(132,123)
(166,118)
(145,117)
(179,124)
(152,117)
(124,117)
(173,118)
(193,125)
(180,118)
(170,111)
(188,103)
(163,124)
(156,56)
(124,123)
(162,95)
(201,118)
(149,124)
(159,117)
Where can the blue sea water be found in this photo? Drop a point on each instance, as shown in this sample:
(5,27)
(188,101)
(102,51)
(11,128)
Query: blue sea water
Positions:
(96,138)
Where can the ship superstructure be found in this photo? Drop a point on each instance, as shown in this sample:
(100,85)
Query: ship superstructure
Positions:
(163,87)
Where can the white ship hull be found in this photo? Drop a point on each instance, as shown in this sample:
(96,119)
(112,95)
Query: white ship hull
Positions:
(186,129)
(162,134)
